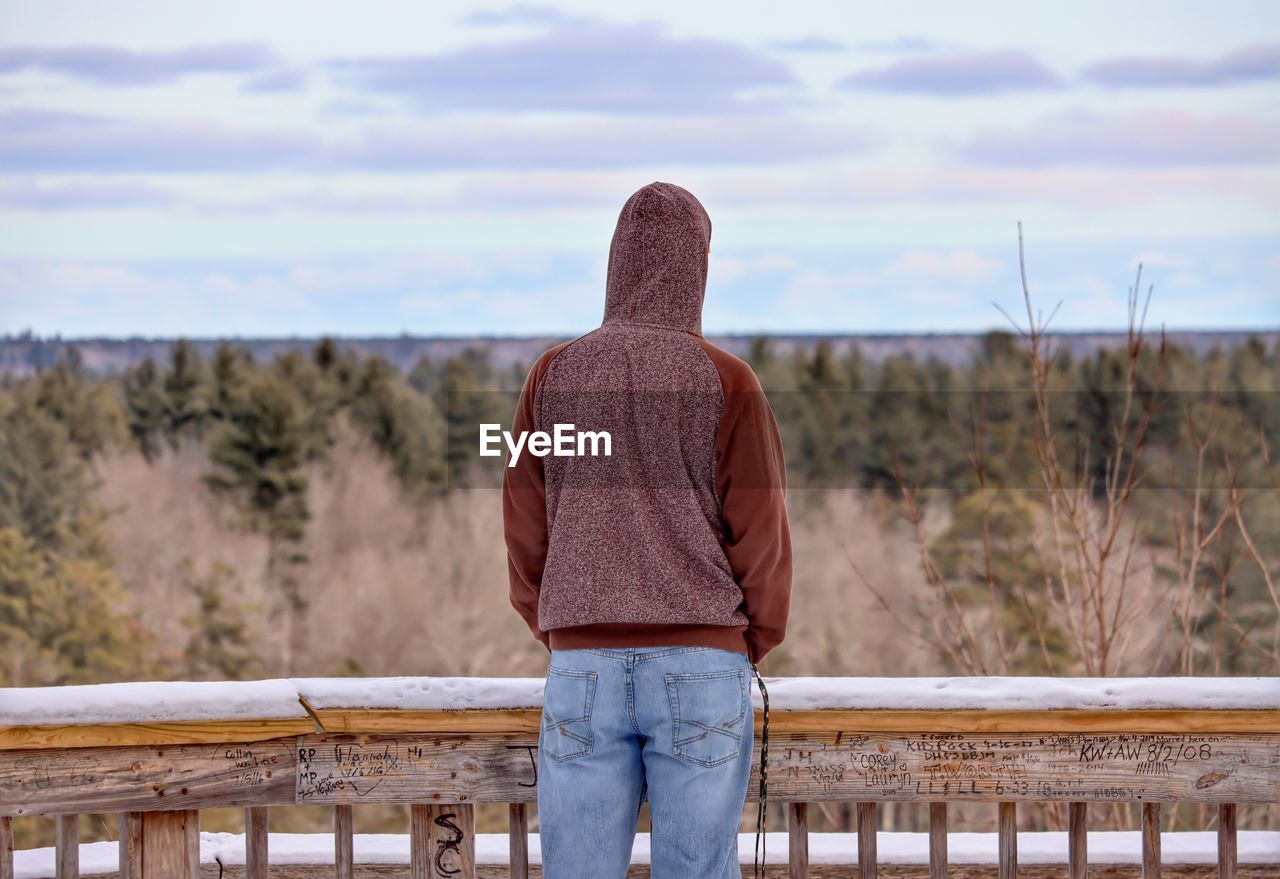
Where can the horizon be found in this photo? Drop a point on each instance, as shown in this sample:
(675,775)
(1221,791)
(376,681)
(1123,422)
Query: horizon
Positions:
(10,336)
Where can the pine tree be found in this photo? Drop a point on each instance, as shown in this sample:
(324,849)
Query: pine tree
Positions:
(402,424)
(186,408)
(230,375)
(220,646)
(90,412)
(258,461)
(64,617)
(42,481)
(146,407)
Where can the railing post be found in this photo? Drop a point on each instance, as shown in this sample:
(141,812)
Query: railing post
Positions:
(1150,841)
(255,842)
(1226,841)
(6,847)
(171,844)
(938,840)
(1077,841)
(518,837)
(130,845)
(67,846)
(344,842)
(442,841)
(1008,838)
(798,840)
(867,824)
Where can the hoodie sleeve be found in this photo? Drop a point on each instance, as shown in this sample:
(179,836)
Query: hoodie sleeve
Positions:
(524,508)
(751,480)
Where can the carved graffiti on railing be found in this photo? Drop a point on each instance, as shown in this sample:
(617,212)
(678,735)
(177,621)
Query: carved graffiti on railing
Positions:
(348,768)
(1040,766)
(476,767)
(145,777)
(450,846)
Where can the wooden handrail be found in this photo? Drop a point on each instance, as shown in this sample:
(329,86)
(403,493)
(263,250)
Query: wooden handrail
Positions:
(902,704)
(158,771)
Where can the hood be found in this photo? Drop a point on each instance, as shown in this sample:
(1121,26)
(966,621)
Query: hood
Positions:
(658,259)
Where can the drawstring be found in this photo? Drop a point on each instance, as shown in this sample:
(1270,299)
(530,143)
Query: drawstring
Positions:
(761,847)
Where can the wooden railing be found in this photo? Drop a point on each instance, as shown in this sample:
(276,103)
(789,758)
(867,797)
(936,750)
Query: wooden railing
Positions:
(143,752)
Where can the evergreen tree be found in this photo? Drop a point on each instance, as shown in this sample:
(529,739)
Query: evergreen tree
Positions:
(146,407)
(42,481)
(231,369)
(64,618)
(220,646)
(467,399)
(185,403)
(403,426)
(339,367)
(258,460)
(319,399)
(91,414)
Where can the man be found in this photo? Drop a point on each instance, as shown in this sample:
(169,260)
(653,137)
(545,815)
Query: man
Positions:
(658,576)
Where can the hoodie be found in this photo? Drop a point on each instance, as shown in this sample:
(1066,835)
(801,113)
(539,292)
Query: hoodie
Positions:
(680,535)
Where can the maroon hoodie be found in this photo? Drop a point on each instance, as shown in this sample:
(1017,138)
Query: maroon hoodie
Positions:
(680,535)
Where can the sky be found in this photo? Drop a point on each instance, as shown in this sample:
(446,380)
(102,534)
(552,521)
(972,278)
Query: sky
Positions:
(304,168)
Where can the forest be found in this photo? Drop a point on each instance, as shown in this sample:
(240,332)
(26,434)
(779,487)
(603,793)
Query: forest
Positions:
(1156,465)
(326,514)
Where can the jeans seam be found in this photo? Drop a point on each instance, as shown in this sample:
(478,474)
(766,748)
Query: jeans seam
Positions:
(673,651)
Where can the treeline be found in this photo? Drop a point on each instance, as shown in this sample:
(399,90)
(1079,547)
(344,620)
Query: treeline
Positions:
(64,617)
(902,426)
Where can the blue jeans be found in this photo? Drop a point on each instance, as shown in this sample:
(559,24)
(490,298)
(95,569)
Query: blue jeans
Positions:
(674,724)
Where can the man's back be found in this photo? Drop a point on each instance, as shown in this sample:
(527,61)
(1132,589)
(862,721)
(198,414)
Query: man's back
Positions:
(679,535)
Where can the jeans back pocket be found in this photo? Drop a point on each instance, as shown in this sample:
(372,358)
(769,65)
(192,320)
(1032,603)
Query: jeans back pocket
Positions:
(707,713)
(566,713)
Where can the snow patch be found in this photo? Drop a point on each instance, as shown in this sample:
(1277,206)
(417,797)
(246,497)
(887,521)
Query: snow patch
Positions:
(150,702)
(145,702)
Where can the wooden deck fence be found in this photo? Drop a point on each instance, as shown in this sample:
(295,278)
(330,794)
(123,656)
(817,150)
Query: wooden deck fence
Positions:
(159,773)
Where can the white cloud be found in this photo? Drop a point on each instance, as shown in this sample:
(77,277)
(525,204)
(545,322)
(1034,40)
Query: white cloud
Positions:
(1185,281)
(1155,258)
(959,264)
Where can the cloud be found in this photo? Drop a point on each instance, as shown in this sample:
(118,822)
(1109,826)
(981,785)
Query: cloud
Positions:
(1139,139)
(727,269)
(1156,258)
(902,44)
(958,73)
(530,192)
(115,66)
(817,292)
(519,14)
(53,141)
(348,293)
(618,143)
(960,264)
(40,141)
(942,184)
(82,195)
(951,282)
(808,44)
(1246,64)
(580,65)
(346,107)
(283,79)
